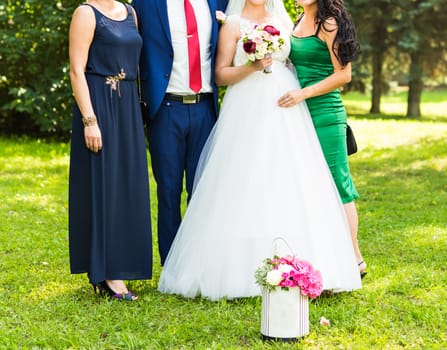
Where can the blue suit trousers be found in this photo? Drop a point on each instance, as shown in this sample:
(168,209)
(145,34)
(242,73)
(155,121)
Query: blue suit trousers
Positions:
(176,137)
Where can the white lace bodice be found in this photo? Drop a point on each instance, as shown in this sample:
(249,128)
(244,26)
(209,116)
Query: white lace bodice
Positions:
(246,26)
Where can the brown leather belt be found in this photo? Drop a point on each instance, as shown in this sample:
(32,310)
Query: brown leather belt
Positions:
(188,99)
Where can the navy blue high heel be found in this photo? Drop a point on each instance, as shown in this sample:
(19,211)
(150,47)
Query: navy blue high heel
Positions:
(104,289)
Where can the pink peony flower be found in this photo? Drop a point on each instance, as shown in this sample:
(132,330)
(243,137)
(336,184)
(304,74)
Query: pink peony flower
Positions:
(291,272)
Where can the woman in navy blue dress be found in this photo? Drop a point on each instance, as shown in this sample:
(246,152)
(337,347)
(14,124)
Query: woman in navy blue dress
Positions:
(109,214)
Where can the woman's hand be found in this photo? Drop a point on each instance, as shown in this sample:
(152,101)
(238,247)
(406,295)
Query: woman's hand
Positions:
(263,63)
(292,98)
(93,139)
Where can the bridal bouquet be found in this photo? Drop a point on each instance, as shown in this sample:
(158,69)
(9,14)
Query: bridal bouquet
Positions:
(288,272)
(261,41)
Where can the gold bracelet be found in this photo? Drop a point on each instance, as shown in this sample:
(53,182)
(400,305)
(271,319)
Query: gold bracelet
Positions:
(89,120)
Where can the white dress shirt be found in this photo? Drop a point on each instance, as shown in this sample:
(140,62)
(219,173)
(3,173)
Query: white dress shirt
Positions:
(179,80)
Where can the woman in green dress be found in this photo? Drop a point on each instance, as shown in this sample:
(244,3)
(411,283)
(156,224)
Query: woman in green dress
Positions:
(323,44)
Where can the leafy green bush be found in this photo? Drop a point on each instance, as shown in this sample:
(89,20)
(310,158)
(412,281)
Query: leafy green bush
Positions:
(36,94)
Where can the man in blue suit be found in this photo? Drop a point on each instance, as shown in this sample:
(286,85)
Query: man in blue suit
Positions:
(181,114)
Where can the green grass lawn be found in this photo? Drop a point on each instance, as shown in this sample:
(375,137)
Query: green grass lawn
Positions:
(394,105)
(400,172)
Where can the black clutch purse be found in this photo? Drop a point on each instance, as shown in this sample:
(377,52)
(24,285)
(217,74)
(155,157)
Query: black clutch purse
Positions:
(351,144)
(143,104)
(144,110)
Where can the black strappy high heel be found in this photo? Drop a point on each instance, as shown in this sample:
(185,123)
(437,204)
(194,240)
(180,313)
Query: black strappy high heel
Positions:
(104,289)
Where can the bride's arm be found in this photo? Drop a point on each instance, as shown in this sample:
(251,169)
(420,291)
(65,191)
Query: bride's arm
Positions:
(340,76)
(225,72)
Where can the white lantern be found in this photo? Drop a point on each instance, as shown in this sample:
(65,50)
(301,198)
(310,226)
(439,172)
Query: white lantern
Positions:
(285,314)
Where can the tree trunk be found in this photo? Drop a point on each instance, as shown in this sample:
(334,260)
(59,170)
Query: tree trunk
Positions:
(379,44)
(415,86)
(377,62)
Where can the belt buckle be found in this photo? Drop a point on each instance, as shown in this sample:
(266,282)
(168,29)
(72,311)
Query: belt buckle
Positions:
(189,99)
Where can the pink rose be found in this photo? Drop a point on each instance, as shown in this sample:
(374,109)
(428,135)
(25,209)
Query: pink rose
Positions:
(271,30)
(287,283)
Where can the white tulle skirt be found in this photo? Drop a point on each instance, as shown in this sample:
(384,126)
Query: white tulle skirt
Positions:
(262,174)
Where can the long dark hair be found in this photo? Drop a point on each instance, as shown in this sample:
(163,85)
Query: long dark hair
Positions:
(345,46)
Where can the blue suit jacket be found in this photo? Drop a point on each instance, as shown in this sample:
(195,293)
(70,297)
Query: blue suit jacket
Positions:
(157,54)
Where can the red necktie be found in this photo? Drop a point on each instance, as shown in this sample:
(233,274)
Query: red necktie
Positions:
(195,74)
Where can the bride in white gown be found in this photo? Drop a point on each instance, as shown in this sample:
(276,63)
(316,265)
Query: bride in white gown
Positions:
(262,174)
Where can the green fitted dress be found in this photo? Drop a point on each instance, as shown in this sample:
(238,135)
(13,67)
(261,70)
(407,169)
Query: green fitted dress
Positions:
(312,62)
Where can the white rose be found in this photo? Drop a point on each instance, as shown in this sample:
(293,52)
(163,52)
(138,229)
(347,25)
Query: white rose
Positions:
(285,268)
(261,50)
(274,277)
(259,55)
(251,57)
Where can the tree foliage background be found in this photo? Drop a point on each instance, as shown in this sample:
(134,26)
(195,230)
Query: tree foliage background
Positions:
(35,93)
(403,40)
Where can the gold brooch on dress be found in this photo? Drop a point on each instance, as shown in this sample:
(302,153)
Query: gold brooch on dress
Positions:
(114,81)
